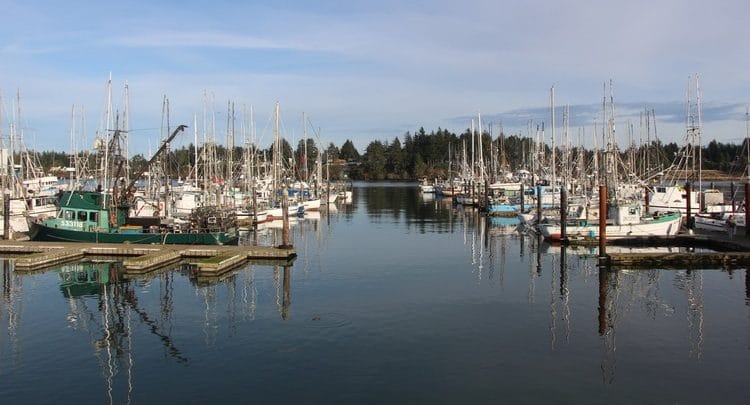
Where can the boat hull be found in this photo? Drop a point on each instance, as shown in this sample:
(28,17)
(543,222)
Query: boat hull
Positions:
(668,225)
(41,232)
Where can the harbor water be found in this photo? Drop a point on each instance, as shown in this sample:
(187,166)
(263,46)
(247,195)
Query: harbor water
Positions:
(397,297)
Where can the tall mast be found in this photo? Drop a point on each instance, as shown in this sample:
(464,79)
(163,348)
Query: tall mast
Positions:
(276,157)
(319,166)
(4,162)
(566,145)
(12,151)
(304,146)
(105,141)
(612,141)
(253,162)
(195,148)
(552,112)
(603,162)
(473,140)
(595,163)
(125,131)
(479,146)
(700,130)
(230,146)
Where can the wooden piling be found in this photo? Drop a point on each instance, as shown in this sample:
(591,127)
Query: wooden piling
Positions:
(602,222)
(538,204)
(6,216)
(285,215)
(522,199)
(747,202)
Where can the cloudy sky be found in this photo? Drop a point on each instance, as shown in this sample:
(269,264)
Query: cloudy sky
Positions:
(370,70)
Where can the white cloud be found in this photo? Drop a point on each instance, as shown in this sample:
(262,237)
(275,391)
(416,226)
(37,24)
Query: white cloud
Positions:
(360,69)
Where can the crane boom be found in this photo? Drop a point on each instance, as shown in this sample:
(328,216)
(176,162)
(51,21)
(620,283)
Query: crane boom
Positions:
(130,189)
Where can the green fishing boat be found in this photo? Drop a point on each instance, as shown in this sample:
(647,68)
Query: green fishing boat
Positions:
(89,216)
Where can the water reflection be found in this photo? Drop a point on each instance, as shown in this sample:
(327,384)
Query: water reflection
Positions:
(107,309)
(11,311)
(472,309)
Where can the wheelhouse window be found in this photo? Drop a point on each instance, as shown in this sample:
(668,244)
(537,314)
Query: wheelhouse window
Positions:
(93,216)
(82,215)
(68,214)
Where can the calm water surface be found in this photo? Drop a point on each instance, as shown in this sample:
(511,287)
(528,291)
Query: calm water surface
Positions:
(395,298)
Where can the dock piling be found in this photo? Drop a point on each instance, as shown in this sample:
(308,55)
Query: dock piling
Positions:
(602,222)
(285,215)
(6,216)
(538,204)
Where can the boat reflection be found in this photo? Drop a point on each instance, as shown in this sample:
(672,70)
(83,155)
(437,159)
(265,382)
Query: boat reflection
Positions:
(87,278)
(490,240)
(106,308)
(670,299)
(500,226)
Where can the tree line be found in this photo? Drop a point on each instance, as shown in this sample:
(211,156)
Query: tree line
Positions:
(420,155)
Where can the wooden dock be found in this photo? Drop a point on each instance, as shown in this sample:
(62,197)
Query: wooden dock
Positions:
(140,259)
(724,252)
(681,260)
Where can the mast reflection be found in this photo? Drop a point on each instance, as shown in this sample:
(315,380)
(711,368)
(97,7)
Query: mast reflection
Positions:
(109,323)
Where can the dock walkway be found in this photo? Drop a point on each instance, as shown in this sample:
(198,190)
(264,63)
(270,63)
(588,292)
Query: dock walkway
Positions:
(139,259)
(725,252)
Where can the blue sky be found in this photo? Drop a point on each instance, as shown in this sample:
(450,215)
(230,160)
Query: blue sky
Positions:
(370,70)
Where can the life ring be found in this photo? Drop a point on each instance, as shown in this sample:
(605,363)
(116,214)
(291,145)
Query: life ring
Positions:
(161,206)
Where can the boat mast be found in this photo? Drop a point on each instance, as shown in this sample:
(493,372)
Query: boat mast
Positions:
(304,147)
(473,141)
(552,112)
(230,148)
(276,158)
(700,141)
(104,146)
(125,130)
(195,148)
(4,162)
(481,151)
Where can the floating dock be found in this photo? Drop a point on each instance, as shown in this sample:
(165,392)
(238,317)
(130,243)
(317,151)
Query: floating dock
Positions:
(140,259)
(726,252)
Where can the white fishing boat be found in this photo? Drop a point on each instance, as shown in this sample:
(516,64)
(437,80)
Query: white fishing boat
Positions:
(426,187)
(717,222)
(626,220)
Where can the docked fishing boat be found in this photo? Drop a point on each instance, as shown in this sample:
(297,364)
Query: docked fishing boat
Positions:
(502,208)
(717,221)
(427,187)
(625,221)
(89,216)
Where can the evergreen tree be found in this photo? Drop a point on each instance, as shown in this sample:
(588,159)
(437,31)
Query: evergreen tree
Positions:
(374,161)
(348,151)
